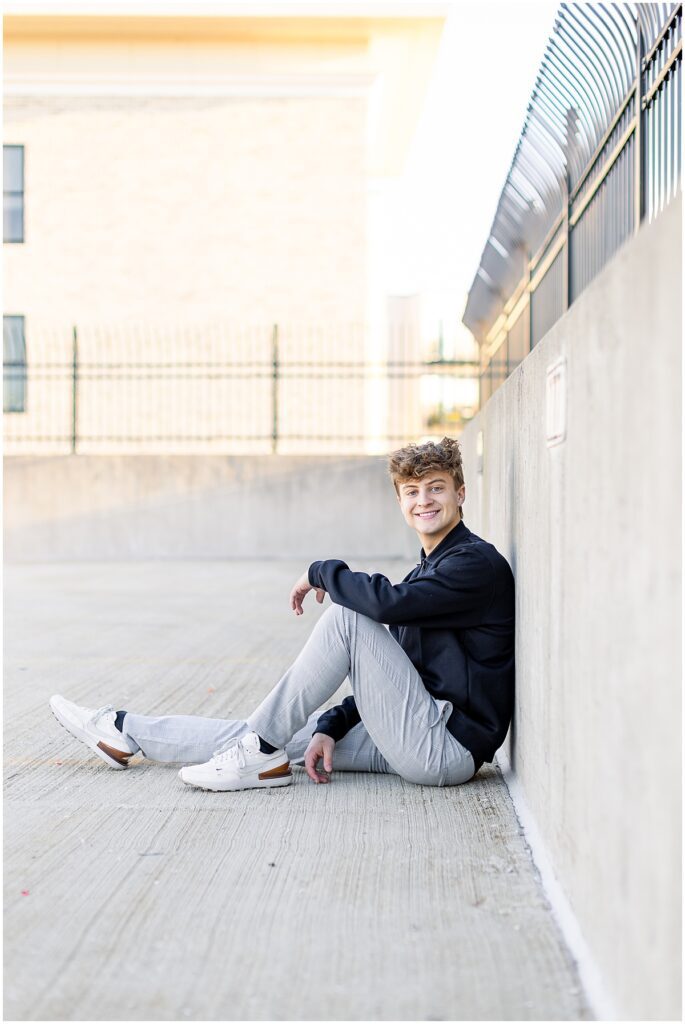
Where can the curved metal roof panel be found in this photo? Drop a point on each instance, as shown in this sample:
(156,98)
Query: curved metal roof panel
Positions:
(587,70)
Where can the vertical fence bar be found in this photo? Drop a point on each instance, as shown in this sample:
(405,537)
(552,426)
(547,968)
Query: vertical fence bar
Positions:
(274,389)
(528,313)
(74,392)
(639,171)
(570,145)
(566,257)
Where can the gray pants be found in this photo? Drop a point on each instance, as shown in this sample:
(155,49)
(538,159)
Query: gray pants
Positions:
(402,730)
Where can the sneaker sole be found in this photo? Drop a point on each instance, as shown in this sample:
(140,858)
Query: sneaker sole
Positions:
(79,734)
(247,783)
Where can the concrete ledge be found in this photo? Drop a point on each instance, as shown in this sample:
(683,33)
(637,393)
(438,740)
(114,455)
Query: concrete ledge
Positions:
(86,507)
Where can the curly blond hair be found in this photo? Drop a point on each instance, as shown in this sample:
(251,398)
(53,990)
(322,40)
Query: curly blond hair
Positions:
(416,460)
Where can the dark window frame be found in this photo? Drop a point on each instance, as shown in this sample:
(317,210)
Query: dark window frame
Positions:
(14,193)
(14,383)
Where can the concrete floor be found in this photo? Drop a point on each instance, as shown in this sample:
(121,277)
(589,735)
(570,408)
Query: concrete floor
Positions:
(131,897)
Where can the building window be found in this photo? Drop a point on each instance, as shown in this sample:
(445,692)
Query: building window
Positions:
(13,194)
(14,364)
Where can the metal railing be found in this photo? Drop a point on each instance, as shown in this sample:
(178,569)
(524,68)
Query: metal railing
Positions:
(600,152)
(228,389)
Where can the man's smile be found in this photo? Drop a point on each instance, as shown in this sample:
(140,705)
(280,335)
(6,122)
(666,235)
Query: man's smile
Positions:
(428,515)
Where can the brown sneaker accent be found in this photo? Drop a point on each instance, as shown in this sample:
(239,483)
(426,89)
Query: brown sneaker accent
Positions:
(277,773)
(119,755)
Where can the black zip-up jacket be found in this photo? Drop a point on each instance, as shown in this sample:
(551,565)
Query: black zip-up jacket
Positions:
(453,615)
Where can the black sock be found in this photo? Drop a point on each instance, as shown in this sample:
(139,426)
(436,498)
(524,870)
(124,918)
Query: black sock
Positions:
(119,720)
(265,747)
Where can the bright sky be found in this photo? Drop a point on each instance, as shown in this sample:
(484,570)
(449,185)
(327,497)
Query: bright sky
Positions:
(441,211)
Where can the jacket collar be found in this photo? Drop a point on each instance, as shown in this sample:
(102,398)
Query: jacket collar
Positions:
(454,538)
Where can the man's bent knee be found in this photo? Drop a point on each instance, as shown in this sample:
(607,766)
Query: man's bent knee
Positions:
(348,615)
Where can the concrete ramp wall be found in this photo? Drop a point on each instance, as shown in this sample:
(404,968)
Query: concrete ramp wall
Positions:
(592,527)
(95,507)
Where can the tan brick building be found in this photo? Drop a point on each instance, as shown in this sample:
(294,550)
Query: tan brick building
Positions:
(182,174)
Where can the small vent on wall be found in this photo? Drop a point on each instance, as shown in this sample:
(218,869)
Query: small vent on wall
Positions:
(556,403)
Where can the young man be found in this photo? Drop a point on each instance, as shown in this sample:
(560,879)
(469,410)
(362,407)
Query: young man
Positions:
(433,694)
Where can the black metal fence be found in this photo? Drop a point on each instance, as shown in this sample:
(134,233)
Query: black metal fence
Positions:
(600,152)
(226,389)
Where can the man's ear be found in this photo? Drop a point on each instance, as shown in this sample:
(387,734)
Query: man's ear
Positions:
(461,495)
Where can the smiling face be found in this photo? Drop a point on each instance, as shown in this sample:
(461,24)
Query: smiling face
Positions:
(430,505)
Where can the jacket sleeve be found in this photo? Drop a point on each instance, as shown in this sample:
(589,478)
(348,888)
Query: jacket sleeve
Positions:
(452,595)
(337,721)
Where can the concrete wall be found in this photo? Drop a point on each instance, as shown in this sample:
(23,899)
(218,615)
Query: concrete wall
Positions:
(592,527)
(116,507)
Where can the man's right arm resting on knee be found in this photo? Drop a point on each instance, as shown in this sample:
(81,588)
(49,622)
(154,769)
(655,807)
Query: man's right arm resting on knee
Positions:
(334,723)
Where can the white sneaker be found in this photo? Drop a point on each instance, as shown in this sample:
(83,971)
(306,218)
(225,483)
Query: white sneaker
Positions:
(94,728)
(242,765)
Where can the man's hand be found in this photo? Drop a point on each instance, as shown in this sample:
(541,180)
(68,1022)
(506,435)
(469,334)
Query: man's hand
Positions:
(298,592)
(320,746)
